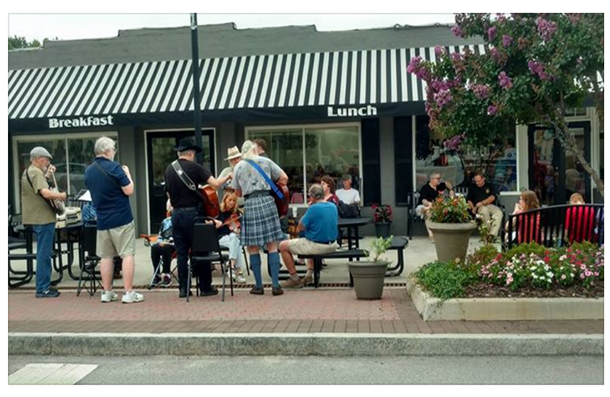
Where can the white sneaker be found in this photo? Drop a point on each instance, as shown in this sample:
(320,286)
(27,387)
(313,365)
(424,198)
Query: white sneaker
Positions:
(132,297)
(109,296)
(239,278)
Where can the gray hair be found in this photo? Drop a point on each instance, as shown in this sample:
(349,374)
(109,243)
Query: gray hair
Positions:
(433,174)
(102,145)
(186,152)
(316,191)
(248,149)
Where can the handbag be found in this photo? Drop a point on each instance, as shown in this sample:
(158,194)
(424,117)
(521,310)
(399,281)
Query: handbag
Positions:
(280,192)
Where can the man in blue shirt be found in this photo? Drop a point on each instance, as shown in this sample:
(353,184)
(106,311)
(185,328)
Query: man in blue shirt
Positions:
(320,228)
(111,185)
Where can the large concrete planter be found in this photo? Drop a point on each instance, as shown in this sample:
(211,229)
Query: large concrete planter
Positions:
(451,239)
(369,279)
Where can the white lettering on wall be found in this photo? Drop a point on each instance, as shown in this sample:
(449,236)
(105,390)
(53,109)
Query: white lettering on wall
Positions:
(352,112)
(81,122)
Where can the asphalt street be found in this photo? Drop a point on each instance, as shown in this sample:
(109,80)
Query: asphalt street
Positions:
(282,370)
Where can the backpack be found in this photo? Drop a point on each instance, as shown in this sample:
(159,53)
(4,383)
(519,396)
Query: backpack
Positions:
(348,210)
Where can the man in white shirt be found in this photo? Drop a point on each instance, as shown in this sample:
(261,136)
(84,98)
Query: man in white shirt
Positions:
(347,194)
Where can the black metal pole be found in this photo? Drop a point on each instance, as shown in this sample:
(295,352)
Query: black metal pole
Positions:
(196,97)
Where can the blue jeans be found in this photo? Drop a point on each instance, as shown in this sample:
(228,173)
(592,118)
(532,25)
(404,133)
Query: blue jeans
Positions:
(45,235)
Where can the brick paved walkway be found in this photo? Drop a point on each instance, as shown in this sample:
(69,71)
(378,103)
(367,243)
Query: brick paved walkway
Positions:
(306,310)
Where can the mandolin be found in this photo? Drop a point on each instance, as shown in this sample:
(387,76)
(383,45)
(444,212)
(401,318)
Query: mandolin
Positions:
(210,200)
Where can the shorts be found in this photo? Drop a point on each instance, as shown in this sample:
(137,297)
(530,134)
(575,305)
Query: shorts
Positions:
(120,241)
(302,246)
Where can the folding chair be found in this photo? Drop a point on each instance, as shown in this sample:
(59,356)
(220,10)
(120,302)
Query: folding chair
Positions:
(149,240)
(207,249)
(88,278)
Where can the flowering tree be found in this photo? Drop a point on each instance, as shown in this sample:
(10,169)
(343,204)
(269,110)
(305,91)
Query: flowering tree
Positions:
(536,67)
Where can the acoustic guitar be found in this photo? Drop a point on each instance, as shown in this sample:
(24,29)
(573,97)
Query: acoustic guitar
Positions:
(210,200)
(282,204)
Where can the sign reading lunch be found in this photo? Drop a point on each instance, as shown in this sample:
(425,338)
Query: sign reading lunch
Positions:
(90,121)
(352,112)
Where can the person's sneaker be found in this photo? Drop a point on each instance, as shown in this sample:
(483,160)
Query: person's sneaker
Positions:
(257,291)
(50,293)
(239,278)
(167,281)
(307,280)
(156,281)
(291,283)
(277,291)
(213,291)
(109,296)
(132,297)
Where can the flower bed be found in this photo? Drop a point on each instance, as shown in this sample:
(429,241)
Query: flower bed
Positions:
(528,270)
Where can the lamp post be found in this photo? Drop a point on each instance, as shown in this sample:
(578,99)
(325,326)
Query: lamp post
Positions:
(196,97)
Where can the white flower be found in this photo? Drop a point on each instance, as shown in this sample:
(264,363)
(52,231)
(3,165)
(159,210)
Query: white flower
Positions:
(550,274)
(534,276)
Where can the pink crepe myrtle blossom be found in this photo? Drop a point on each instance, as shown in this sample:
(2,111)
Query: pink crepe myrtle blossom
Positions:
(442,98)
(491,33)
(480,91)
(438,50)
(546,29)
(457,31)
(492,110)
(506,40)
(505,81)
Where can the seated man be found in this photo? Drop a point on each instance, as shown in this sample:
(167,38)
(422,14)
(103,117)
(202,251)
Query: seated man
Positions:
(480,200)
(348,195)
(320,226)
(163,248)
(428,194)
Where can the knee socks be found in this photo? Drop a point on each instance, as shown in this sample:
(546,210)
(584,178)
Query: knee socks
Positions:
(274,265)
(255,265)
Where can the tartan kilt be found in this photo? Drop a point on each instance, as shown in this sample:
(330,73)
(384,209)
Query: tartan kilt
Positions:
(261,222)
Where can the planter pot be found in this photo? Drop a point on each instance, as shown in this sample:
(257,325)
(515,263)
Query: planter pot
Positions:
(382,229)
(368,278)
(451,239)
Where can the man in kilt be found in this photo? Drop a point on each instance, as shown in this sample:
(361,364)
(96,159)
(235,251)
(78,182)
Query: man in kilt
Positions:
(261,223)
(187,206)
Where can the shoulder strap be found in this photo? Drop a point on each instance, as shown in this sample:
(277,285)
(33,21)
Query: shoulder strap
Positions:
(257,167)
(185,178)
(99,167)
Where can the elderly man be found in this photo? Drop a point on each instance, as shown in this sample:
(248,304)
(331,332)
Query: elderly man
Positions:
(480,200)
(37,212)
(111,185)
(348,194)
(320,226)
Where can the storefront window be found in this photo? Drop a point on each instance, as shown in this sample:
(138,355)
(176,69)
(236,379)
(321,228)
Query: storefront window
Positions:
(307,154)
(497,162)
(71,156)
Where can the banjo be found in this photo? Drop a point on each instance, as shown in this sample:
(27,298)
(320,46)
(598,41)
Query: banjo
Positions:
(57,205)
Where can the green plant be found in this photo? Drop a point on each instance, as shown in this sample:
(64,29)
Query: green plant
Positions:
(382,213)
(450,210)
(484,228)
(526,249)
(379,247)
(444,280)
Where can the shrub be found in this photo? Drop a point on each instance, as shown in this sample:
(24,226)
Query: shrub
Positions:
(444,280)
(450,210)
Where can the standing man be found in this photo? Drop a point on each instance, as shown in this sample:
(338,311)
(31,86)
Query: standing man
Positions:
(234,157)
(188,204)
(480,200)
(261,224)
(320,224)
(261,147)
(111,185)
(37,213)
(348,194)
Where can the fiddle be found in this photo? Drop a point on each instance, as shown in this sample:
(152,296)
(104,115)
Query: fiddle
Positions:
(233,222)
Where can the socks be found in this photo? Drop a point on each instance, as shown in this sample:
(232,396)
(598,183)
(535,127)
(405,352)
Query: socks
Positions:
(255,265)
(274,265)
(309,273)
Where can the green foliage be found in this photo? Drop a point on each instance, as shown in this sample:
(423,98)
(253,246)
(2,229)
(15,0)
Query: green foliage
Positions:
(444,280)
(525,249)
(16,42)
(450,210)
(482,255)
(379,247)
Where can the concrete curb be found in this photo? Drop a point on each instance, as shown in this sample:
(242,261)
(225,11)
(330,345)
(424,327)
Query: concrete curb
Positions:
(503,309)
(317,344)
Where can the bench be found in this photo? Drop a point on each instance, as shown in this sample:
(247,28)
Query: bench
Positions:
(547,226)
(398,244)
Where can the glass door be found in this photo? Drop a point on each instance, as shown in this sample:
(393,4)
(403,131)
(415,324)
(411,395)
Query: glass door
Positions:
(161,153)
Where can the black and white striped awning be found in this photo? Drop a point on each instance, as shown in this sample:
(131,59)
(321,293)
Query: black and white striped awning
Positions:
(370,77)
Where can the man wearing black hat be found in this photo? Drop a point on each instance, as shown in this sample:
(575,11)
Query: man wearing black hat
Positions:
(187,204)
(38,214)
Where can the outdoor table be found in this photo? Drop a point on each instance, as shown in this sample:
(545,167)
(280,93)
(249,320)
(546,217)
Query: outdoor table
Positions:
(352,225)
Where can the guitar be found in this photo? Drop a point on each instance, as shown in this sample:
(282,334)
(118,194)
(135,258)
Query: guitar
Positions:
(282,204)
(210,200)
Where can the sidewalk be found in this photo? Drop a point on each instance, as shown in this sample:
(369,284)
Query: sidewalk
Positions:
(331,313)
